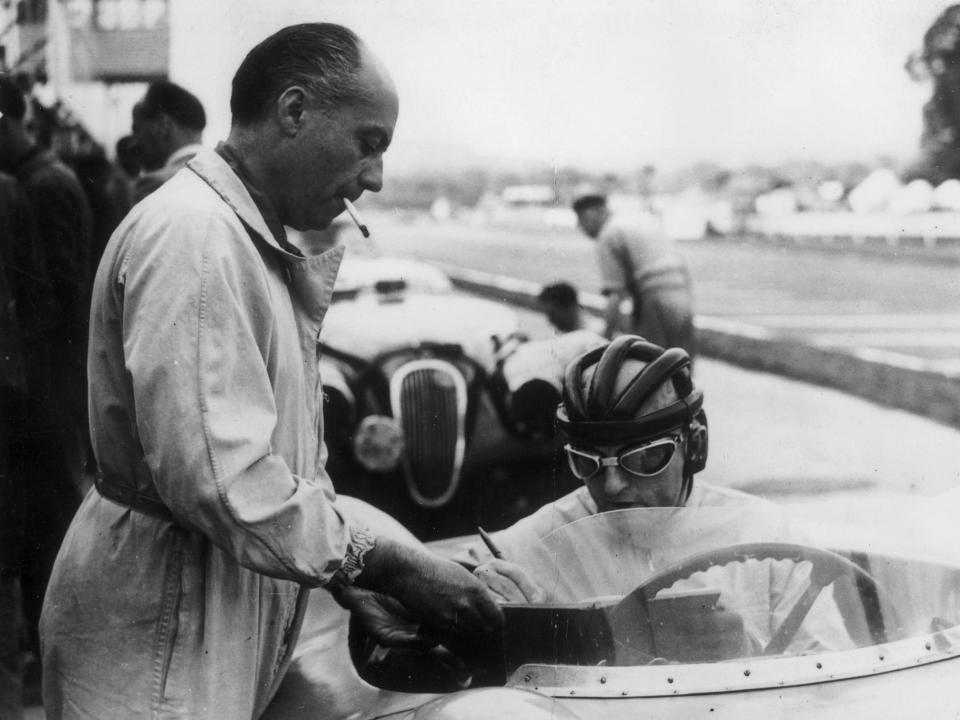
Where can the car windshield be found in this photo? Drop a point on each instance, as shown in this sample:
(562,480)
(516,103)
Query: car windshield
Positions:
(737,586)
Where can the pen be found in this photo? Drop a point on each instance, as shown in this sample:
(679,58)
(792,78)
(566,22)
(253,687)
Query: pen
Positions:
(352,211)
(491,545)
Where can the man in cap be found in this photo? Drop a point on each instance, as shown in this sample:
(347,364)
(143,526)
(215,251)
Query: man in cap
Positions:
(167,131)
(180,588)
(637,261)
(636,436)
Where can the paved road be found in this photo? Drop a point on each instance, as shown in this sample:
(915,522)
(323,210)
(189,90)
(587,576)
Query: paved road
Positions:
(792,441)
(890,308)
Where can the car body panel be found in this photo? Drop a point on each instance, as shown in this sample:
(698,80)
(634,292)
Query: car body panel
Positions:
(369,325)
(910,677)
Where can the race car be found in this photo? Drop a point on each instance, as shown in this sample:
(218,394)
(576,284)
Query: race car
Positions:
(883,573)
(434,398)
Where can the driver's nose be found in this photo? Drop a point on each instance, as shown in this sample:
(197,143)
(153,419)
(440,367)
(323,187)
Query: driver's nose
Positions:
(615,481)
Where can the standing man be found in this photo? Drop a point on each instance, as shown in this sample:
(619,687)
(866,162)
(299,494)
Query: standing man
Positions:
(167,131)
(16,245)
(46,234)
(181,585)
(64,226)
(638,262)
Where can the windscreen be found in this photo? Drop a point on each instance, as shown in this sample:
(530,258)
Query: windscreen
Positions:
(709,584)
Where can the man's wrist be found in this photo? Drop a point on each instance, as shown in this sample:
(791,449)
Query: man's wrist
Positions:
(362,541)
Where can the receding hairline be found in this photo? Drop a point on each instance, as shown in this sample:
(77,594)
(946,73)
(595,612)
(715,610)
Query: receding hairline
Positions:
(366,80)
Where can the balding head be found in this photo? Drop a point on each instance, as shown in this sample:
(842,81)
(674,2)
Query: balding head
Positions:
(323,58)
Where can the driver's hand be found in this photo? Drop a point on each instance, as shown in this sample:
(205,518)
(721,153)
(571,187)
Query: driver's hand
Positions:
(704,634)
(384,619)
(509,582)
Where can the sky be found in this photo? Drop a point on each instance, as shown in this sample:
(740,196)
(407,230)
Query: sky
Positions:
(606,85)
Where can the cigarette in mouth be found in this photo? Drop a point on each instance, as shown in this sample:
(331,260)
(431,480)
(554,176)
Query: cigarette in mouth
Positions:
(356,218)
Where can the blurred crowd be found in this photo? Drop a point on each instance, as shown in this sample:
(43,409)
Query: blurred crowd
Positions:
(61,197)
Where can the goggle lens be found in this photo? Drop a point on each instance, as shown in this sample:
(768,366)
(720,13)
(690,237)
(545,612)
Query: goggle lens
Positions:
(582,465)
(648,460)
(642,461)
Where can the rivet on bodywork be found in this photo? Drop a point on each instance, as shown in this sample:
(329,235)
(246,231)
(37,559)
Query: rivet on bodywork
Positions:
(746,673)
(670,680)
(603,680)
(819,666)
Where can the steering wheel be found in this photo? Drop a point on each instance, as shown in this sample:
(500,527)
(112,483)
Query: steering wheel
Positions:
(826,567)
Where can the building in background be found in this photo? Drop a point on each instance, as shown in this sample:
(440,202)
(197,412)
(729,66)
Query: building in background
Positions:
(86,60)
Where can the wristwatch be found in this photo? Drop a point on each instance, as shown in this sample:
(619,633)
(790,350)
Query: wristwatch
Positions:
(361,542)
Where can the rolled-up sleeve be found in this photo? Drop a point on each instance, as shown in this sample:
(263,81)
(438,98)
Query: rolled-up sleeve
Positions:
(223,405)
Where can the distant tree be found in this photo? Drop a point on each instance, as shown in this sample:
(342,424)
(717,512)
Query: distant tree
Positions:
(939,61)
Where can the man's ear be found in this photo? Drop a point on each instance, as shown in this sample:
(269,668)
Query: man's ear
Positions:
(290,108)
(166,124)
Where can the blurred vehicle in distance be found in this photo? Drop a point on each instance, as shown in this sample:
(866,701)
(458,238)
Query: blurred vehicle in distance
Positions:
(419,418)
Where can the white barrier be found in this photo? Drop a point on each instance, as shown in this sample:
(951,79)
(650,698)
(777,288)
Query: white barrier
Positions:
(931,228)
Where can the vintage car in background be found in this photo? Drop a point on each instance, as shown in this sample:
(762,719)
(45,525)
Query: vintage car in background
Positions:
(420,418)
(871,630)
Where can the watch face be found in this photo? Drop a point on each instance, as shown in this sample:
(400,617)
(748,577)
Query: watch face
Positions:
(378,443)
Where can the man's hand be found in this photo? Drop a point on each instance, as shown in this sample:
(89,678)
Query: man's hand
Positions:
(509,582)
(384,619)
(451,605)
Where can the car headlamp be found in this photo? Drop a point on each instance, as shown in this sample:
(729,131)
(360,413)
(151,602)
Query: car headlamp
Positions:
(494,704)
(378,443)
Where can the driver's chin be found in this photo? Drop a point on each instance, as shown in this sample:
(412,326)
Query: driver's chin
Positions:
(611,504)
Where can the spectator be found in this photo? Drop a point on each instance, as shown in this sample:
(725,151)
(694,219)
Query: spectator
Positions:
(127,158)
(108,193)
(48,443)
(12,387)
(638,262)
(167,131)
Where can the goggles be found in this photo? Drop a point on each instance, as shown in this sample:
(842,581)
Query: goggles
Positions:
(643,461)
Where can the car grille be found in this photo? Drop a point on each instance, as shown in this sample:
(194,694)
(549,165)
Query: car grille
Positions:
(429,400)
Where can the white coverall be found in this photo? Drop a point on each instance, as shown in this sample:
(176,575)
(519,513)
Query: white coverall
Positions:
(203,384)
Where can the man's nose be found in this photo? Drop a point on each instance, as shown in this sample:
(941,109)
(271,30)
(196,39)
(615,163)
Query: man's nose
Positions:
(371,177)
(615,481)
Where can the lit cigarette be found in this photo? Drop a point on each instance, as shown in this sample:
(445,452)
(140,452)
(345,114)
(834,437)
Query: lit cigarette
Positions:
(356,218)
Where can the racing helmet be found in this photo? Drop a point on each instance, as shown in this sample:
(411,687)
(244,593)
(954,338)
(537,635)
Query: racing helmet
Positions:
(608,391)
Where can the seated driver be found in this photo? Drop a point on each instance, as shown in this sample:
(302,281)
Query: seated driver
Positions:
(636,435)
